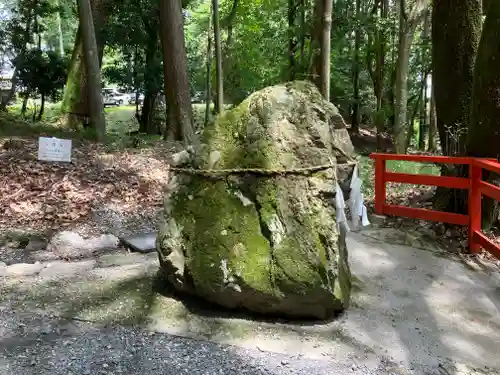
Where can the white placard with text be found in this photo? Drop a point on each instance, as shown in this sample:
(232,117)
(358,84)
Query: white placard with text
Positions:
(54,149)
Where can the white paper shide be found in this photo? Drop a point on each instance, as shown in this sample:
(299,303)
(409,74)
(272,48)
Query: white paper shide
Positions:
(54,149)
(355,203)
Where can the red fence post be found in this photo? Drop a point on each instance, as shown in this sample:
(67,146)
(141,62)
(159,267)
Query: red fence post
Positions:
(379,185)
(474,204)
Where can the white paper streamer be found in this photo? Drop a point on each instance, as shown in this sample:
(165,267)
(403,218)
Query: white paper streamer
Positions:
(356,201)
(340,209)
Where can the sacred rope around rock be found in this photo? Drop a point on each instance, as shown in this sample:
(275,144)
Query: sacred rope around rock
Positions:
(259,171)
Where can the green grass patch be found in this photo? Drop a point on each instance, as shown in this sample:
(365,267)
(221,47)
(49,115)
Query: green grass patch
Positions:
(402,166)
(13,125)
(367,173)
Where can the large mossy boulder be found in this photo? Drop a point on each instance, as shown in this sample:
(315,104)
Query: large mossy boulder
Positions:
(265,242)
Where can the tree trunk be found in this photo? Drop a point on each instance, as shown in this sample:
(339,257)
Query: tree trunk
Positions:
(411,119)
(75,101)
(321,46)
(176,85)
(24,107)
(208,79)
(401,90)
(456,29)
(150,89)
(229,23)
(432,146)
(392,79)
(376,68)
(232,80)
(423,124)
(303,36)
(147,124)
(483,139)
(33,115)
(219,102)
(59,30)
(292,40)
(91,59)
(405,39)
(356,113)
(42,108)
(135,80)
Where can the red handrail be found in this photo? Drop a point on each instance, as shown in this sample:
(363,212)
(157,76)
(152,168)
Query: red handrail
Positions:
(474,184)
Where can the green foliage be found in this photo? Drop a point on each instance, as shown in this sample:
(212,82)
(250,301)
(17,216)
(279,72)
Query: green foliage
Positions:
(255,57)
(134,60)
(64,11)
(42,72)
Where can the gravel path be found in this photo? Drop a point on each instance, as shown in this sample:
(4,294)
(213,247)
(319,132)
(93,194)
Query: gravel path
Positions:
(408,317)
(47,346)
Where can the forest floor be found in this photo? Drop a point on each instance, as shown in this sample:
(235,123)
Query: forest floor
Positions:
(116,188)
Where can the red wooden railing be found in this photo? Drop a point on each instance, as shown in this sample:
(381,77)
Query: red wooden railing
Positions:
(474,184)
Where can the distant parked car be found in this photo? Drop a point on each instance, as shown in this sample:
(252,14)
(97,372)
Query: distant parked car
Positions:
(132,98)
(114,97)
(109,101)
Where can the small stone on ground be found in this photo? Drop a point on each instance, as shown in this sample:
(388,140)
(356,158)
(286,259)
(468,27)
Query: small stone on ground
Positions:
(142,243)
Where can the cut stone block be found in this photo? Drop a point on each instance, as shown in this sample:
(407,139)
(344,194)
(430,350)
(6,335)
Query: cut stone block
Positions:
(142,243)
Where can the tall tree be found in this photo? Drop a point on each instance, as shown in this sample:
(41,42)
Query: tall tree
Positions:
(456,30)
(219,102)
(208,69)
(376,63)
(483,138)
(233,84)
(91,58)
(410,15)
(356,106)
(59,29)
(293,8)
(432,145)
(175,66)
(424,75)
(321,46)
(151,87)
(76,100)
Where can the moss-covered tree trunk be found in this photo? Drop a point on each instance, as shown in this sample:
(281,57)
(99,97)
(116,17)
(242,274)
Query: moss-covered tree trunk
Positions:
(92,69)
(75,100)
(456,29)
(483,138)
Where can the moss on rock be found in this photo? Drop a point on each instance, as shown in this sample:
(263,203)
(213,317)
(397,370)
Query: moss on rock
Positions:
(266,243)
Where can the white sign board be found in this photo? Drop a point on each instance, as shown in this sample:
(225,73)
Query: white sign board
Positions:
(54,149)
